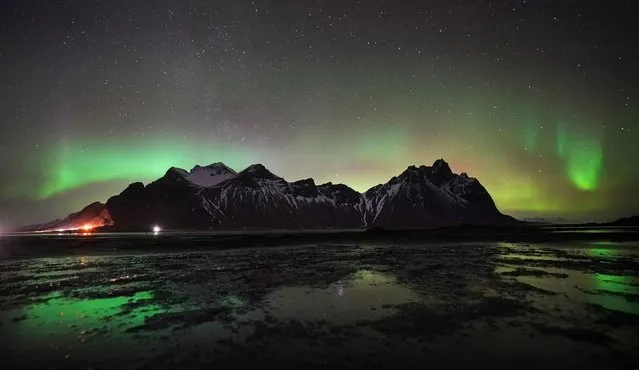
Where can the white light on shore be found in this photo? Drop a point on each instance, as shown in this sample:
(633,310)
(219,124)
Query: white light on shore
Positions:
(156,229)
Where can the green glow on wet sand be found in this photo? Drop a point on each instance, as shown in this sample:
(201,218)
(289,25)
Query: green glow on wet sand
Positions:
(612,283)
(58,316)
(611,290)
(603,252)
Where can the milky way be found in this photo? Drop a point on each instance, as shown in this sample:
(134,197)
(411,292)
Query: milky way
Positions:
(534,98)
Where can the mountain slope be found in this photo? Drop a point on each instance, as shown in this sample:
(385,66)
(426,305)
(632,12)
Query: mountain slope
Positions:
(171,201)
(252,199)
(215,197)
(210,175)
(92,216)
(256,198)
(430,196)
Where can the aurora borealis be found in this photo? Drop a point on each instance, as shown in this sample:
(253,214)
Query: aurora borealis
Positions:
(534,98)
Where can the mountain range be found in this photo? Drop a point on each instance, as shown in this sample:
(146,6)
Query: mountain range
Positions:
(216,197)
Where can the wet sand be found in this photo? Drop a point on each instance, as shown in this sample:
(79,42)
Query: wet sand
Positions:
(438,304)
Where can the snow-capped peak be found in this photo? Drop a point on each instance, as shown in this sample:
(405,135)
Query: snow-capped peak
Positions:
(259,171)
(177,170)
(206,176)
(216,168)
(210,175)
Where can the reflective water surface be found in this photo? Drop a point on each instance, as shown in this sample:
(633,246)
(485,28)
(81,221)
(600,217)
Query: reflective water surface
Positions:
(572,304)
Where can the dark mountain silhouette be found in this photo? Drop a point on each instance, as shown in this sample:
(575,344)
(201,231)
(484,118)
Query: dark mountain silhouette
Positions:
(215,197)
(92,216)
(546,220)
(626,221)
(430,196)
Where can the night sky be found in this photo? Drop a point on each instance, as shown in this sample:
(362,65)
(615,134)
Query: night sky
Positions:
(537,99)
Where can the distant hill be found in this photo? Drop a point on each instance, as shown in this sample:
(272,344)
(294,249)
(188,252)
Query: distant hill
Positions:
(626,221)
(90,217)
(544,220)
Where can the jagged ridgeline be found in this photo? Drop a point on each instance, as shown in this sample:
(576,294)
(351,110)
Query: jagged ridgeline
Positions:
(215,197)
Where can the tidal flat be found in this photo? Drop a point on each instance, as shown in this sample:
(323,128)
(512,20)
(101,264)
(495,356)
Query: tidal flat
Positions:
(326,304)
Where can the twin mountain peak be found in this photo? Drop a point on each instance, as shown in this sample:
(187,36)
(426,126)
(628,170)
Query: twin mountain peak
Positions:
(215,197)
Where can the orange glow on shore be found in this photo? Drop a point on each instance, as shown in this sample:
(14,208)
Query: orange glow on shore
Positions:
(85,229)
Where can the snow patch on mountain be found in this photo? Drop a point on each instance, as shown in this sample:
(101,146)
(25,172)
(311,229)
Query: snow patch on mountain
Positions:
(207,176)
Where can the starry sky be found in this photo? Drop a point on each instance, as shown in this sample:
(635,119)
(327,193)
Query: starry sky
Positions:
(537,99)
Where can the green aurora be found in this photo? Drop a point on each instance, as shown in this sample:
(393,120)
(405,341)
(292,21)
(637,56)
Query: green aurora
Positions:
(547,124)
(570,157)
(583,157)
(76,166)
